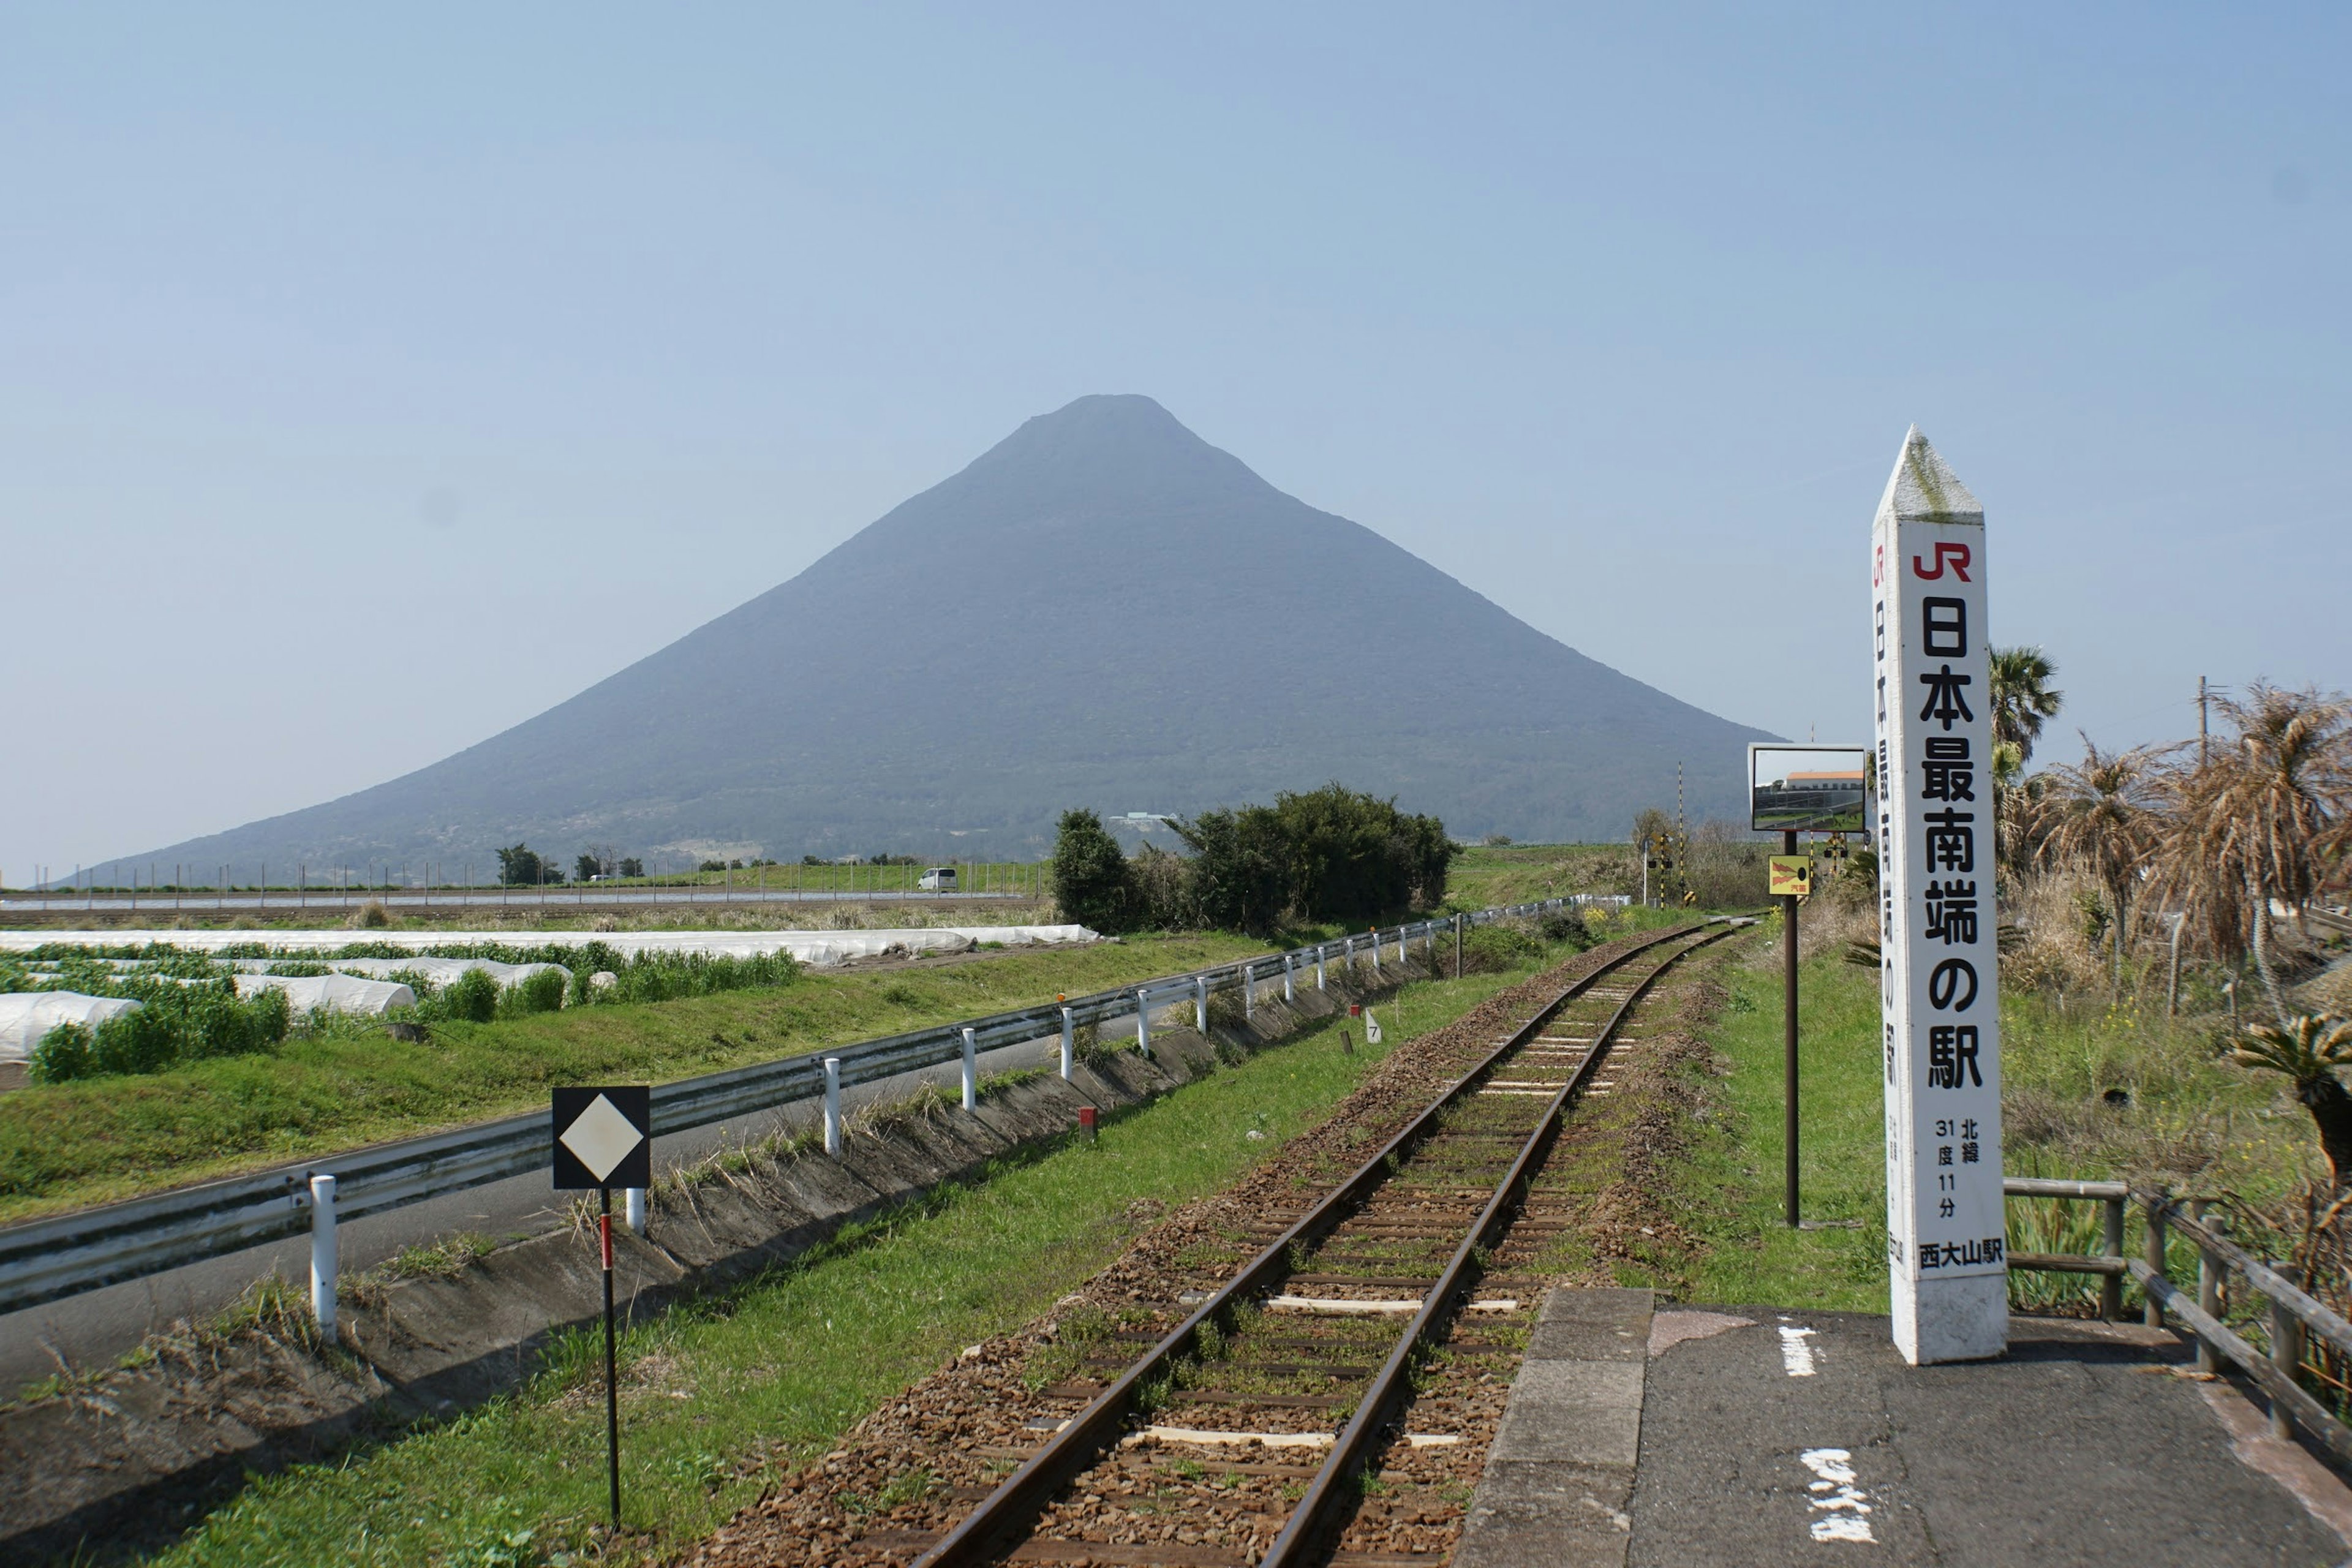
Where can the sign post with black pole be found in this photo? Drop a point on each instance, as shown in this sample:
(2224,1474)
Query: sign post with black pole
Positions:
(1794,790)
(602,1138)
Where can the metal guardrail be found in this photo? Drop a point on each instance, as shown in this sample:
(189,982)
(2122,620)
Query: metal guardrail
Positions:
(49,1259)
(2295,1315)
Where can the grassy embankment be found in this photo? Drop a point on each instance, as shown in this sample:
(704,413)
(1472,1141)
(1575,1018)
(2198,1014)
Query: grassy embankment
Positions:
(64,1145)
(2186,1118)
(778,1369)
(1489,874)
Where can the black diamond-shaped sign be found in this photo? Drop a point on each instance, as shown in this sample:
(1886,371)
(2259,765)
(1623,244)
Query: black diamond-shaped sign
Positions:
(603,1138)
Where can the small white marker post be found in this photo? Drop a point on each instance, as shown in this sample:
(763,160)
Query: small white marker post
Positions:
(1143,1024)
(1069,1043)
(1200,1004)
(1319,950)
(971,1070)
(832,1106)
(633,1209)
(323,1253)
(1249,994)
(1939,996)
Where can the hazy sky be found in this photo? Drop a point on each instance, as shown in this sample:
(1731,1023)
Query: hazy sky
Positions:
(369,381)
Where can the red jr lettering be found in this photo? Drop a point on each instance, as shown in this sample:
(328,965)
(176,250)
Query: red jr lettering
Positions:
(1946,554)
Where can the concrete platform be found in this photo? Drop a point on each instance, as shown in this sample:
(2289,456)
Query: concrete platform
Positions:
(1746,1437)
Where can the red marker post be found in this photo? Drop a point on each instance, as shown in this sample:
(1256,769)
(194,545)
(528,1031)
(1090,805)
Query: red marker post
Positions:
(1087,1115)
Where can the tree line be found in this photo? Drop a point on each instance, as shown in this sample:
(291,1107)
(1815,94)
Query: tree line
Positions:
(1330,854)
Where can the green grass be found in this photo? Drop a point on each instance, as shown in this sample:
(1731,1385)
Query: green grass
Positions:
(1734,1187)
(69,1144)
(2192,1120)
(1484,877)
(780,1368)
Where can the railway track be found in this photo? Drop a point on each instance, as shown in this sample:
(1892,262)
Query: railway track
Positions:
(1227,1421)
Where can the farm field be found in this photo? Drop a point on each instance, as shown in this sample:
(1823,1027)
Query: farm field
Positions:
(348,1083)
(775,1371)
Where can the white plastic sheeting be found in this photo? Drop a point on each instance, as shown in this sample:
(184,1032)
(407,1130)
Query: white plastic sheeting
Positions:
(812,947)
(25,1016)
(436,970)
(330,992)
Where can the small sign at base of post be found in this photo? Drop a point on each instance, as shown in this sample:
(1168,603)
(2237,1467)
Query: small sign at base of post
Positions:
(602,1138)
(1087,1116)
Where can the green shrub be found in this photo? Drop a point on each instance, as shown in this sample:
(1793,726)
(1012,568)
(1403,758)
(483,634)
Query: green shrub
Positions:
(471,998)
(540,992)
(1566,925)
(1090,874)
(63,1054)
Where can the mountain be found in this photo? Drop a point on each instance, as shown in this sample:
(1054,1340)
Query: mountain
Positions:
(1102,610)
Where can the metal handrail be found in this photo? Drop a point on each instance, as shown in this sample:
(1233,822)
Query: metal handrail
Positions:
(50,1259)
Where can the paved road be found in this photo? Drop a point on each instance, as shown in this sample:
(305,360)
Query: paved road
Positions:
(93,1329)
(1803,1439)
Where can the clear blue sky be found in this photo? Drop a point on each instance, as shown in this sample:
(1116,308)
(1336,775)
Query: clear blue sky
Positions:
(370,381)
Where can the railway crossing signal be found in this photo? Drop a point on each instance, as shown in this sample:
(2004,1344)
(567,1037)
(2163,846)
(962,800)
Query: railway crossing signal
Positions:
(601,1139)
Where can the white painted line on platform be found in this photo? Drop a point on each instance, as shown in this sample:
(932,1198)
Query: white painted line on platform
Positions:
(1796,1355)
(1845,1506)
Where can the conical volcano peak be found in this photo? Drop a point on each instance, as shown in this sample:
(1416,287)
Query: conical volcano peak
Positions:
(1103,610)
(1113,445)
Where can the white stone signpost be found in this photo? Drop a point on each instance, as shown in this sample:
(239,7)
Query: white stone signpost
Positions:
(1938,996)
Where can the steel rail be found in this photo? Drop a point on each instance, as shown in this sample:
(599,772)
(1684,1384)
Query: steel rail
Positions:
(1021,1495)
(1301,1537)
(50,1259)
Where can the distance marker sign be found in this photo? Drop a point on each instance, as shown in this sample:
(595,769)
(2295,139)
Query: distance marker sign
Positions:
(603,1138)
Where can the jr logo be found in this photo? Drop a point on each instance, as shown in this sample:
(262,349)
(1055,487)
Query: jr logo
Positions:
(1948,553)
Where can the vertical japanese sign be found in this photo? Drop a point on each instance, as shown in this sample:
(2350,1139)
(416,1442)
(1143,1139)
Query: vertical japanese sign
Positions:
(1939,998)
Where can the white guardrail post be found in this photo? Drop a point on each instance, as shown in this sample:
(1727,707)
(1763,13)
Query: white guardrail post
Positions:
(1143,1024)
(1200,1004)
(633,1209)
(1289,977)
(323,1255)
(832,1106)
(1376,954)
(1069,1043)
(971,1070)
(1320,949)
(1249,991)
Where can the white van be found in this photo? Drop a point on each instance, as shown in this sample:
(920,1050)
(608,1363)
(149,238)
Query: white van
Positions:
(939,879)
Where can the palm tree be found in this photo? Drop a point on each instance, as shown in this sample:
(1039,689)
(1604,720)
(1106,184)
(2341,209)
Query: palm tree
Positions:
(2102,815)
(2022,697)
(2308,1050)
(2263,822)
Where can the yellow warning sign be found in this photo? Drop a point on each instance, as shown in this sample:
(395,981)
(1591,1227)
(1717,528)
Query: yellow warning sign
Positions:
(1792,876)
